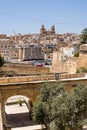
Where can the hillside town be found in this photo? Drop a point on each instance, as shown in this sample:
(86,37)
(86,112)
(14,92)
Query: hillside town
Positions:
(37,46)
(29,47)
(31,60)
(43,65)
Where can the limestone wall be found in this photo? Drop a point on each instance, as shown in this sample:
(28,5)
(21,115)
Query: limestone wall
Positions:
(68,76)
(63,66)
(21,79)
(69,65)
(82,61)
(25,69)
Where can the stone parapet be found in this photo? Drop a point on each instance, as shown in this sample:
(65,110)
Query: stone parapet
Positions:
(67,76)
(21,79)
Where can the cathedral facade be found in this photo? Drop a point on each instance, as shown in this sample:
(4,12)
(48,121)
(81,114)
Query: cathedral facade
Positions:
(43,30)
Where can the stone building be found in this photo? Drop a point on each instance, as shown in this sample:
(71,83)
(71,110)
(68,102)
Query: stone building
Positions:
(13,54)
(43,29)
(14,49)
(7,49)
(63,65)
(5,46)
(33,52)
(69,50)
(69,65)
(3,36)
(29,52)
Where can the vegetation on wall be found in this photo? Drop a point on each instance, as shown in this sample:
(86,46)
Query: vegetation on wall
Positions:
(1,61)
(59,110)
(83,40)
(76,54)
(82,70)
(83,36)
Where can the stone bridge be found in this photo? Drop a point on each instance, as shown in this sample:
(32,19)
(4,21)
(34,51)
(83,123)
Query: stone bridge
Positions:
(28,86)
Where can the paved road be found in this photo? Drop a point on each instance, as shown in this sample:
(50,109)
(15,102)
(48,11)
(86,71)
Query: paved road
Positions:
(18,118)
(35,127)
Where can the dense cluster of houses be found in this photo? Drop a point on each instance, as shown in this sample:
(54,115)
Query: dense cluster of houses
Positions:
(20,47)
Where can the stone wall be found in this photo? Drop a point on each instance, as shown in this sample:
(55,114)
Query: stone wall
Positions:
(22,79)
(69,65)
(63,66)
(24,69)
(82,61)
(68,76)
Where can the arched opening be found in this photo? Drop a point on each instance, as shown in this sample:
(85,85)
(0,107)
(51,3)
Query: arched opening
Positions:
(18,111)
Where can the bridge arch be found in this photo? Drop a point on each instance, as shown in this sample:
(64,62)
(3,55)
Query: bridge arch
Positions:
(17,108)
(9,94)
(30,91)
(16,99)
(14,102)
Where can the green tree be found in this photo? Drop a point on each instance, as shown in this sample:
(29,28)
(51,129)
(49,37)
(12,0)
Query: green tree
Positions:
(83,36)
(80,97)
(82,70)
(59,110)
(1,61)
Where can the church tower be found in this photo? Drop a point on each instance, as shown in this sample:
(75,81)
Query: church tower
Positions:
(53,29)
(42,30)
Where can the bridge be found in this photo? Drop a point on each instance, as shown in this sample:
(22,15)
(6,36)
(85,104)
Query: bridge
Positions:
(29,86)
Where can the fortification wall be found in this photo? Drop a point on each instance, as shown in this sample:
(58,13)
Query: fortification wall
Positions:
(22,79)
(24,69)
(63,66)
(82,61)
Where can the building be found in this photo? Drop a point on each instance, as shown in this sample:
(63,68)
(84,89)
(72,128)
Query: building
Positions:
(69,65)
(69,50)
(5,46)
(29,52)
(44,31)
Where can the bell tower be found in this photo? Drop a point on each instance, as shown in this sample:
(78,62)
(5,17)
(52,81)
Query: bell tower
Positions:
(43,29)
(53,29)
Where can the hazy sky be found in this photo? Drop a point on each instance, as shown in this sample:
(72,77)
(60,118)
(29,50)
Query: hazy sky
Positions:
(27,16)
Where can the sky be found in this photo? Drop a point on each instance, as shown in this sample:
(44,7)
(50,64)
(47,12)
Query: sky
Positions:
(27,16)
